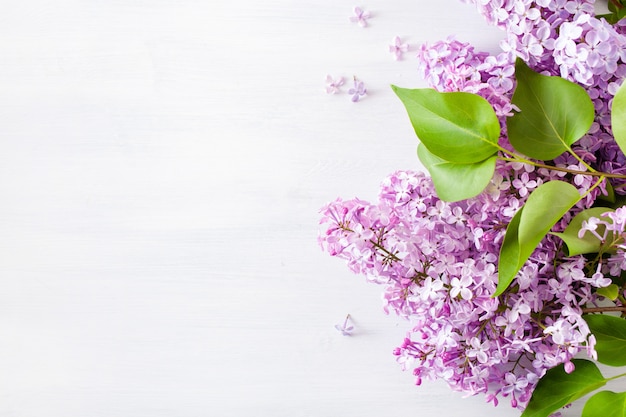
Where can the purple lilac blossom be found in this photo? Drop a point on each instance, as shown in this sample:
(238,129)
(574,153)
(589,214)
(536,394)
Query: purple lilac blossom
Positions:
(612,224)
(333,86)
(360,17)
(358,90)
(345,328)
(398,48)
(437,262)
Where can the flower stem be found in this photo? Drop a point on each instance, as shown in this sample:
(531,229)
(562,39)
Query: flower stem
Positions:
(377,245)
(569,171)
(603,309)
(579,159)
(615,377)
(380,247)
(592,188)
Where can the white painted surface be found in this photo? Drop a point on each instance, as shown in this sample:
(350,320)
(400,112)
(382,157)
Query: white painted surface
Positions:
(161,170)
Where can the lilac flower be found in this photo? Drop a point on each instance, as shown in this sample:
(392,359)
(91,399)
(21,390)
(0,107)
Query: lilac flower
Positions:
(344,328)
(524,184)
(358,90)
(430,290)
(599,280)
(591,225)
(577,7)
(460,287)
(614,230)
(437,261)
(360,17)
(333,85)
(398,48)
(515,386)
(502,77)
(560,331)
(422,251)
(618,218)
(569,367)
(479,350)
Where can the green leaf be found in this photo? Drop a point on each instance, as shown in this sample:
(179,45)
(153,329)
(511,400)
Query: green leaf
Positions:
(589,243)
(611,292)
(457,127)
(554,113)
(544,207)
(509,255)
(606,404)
(558,388)
(453,181)
(618,117)
(610,333)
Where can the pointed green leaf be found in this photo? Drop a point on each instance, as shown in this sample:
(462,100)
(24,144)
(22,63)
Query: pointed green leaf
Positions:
(508,265)
(606,404)
(558,388)
(453,181)
(610,333)
(457,127)
(618,117)
(554,113)
(611,292)
(589,243)
(544,207)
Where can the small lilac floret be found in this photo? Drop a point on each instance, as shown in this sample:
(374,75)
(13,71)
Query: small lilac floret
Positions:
(358,90)
(333,86)
(344,328)
(398,48)
(360,17)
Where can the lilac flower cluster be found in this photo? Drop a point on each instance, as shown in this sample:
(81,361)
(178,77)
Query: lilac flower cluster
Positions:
(609,228)
(560,37)
(437,262)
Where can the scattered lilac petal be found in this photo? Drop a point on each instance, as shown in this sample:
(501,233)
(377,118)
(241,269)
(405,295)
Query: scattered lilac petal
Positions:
(360,17)
(333,85)
(358,90)
(398,48)
(344,328)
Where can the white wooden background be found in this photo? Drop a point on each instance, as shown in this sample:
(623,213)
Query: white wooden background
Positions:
(162,164)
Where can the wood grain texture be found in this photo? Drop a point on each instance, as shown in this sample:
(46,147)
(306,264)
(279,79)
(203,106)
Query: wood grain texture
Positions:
(162,167)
